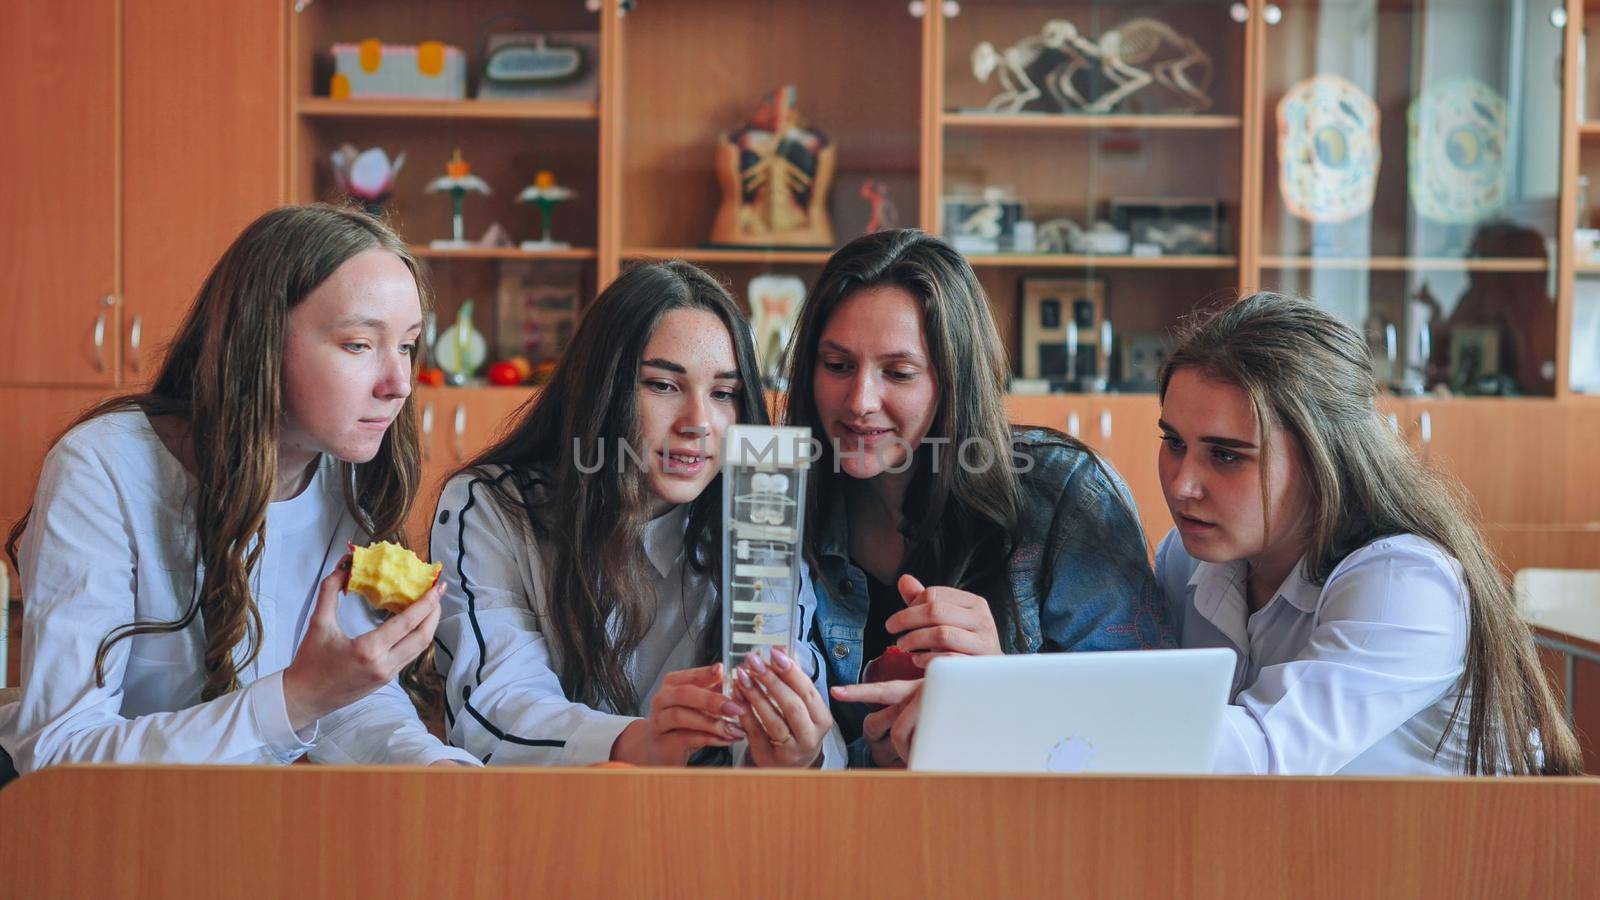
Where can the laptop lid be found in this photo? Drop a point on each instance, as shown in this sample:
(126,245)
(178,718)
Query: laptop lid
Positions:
(1123,712)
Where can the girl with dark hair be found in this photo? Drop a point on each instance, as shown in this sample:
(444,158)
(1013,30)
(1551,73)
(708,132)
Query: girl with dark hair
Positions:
(583,553)
(934,526)
(1375,631)
(181,557)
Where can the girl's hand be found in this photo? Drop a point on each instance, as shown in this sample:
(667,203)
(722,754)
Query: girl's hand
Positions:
(787,720)
(331,671)
(890,730)
(943,621)
(688,713)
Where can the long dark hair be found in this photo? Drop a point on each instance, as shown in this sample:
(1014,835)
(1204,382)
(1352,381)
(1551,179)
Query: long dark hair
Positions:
(1311,374)
(961,525)
(589,527)
(222,378)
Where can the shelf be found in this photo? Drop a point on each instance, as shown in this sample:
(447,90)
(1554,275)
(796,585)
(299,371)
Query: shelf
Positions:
(1407,263)
(492,110)
(1068,122)
(1078,261)
(1589,129)
(726,255)
(423,251)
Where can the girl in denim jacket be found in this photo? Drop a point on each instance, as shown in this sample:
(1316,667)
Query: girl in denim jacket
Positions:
(934,527)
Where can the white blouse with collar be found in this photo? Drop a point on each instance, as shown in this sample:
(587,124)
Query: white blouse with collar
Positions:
(1356,677)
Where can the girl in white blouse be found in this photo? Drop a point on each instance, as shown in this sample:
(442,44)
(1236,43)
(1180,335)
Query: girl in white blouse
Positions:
(180,561)
(1375,631)
(582,620)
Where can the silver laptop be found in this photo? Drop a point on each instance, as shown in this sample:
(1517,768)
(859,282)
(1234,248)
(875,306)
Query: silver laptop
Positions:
(1125,712)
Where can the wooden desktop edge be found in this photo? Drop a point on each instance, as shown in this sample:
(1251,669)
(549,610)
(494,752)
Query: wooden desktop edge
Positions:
(198,831)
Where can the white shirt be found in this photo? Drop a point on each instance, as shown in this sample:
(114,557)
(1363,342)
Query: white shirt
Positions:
(504,700)
(1356,677)
(112,541)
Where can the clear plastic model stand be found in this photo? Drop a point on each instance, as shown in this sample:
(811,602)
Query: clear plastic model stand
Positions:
(763,508)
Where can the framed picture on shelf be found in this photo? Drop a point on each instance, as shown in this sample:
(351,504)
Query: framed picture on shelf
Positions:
(1060,324)
(538,309)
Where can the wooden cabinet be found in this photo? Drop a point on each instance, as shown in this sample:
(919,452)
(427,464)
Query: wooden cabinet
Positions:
(1121,428)
(149,134)
(154,133)
(58,211)
(1527,465)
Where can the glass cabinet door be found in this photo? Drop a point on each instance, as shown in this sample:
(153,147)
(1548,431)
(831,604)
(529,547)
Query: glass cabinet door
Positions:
(1583,357)
(1411,179)
(1089,165)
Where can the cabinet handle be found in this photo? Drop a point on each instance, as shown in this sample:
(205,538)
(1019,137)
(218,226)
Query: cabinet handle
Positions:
(1105,424)
(1072,350)
(1239,12)
(460,432)
(1425,427)
(135,335)
(1074,424)
(106,303)
(427,429)
(1271,14)
(917,8)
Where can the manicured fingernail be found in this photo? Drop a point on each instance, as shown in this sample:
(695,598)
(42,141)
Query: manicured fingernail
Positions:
(734,730)
(755,662)
(743,676)
(780,660)
(730,708)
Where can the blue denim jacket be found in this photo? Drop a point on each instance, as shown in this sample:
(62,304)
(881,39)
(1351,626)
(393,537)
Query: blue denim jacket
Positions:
(1078,517)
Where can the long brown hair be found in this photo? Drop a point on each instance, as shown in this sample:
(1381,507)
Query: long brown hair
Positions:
(222,379)
(961,523)
(1308,372)
(590,527)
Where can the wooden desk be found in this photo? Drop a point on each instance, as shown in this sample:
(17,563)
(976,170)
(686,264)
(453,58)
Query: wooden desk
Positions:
(1563,608)
(310,831)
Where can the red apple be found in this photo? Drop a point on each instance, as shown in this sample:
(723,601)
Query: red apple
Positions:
(894,665)
(505,374)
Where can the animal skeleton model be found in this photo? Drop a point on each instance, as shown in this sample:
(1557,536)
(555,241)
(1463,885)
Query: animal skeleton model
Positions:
(1060,53)
(1168,56)
(1029,62)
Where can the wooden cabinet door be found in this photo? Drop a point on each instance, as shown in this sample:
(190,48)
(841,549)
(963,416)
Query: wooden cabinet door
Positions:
(1063,412)
(435,469)
(203,151)
(1120,428)
(58,226)
(1525,462)
(33,418)
(1123,429)
(456,424)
